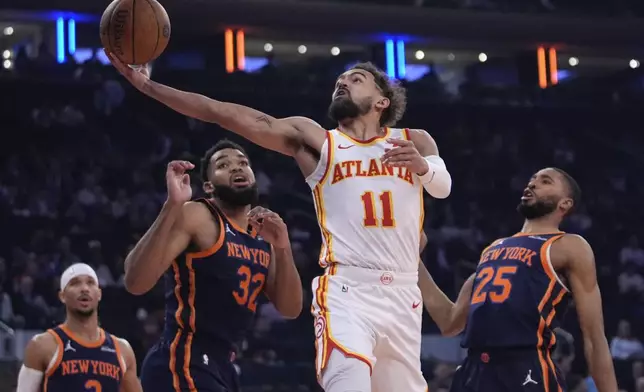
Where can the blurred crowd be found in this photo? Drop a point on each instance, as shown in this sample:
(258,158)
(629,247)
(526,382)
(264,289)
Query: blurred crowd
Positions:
(619,8)
(82,177)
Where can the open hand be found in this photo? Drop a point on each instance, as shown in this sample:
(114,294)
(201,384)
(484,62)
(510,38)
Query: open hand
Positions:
(138,75)
(178,181)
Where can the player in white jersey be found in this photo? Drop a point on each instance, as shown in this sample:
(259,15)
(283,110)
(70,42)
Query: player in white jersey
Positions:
(367,182)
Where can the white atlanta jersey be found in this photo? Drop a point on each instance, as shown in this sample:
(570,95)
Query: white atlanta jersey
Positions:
(370,215)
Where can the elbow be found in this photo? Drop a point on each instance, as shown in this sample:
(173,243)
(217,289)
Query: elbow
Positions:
(291,307)
(451,332)
(133,285)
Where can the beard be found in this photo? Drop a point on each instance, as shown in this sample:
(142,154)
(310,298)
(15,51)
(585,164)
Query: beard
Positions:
(237,197)
(536,210)
(83,314)
(344,108)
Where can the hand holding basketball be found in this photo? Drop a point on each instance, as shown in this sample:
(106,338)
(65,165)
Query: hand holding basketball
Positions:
(137,75)
(405,154)
(178,181)
(270,226)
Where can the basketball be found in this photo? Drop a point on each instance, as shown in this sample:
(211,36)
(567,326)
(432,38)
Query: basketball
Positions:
(135,31)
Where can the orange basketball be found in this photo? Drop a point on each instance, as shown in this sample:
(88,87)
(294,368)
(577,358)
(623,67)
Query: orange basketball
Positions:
(135,31)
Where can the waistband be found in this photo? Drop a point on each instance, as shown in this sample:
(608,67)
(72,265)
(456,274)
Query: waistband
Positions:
(374,277)
(198,342)
(504,354)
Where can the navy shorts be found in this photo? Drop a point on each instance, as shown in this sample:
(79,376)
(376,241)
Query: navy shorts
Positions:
(525,370)
(179,368)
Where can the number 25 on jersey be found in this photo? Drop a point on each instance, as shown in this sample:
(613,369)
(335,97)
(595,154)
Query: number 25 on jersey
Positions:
(370,217)
(493,284)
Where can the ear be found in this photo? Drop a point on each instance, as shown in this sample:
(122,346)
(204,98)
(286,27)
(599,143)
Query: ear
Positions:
(382,103)
(208,187)
(61,297)
(100,295)
(566,205)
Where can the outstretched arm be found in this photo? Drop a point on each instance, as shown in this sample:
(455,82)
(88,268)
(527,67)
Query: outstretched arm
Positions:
(449,316)
(286,136)
(582,276)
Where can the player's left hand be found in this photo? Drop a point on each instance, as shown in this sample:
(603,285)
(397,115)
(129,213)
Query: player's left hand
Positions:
(405,154)
(270,226)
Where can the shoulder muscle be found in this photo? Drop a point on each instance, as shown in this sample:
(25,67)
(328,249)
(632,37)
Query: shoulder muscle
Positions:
(40,350)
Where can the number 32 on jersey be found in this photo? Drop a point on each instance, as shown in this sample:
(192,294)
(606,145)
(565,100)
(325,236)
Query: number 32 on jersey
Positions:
(493,284)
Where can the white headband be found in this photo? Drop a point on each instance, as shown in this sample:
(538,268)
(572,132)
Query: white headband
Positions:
(75,270)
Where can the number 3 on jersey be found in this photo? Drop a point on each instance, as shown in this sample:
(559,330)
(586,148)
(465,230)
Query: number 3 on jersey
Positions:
(93,386)
(369,204)
(500,288)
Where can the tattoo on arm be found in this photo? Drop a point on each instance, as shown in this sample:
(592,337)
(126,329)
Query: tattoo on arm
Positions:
(264,118)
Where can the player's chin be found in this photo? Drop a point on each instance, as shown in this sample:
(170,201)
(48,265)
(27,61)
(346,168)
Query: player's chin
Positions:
(242,186)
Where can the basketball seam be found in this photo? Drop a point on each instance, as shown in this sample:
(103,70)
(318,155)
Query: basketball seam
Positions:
(109,31)
(156,19)
(133,29)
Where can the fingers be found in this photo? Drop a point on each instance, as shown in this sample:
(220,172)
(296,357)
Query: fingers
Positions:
(398,158)
(400,142)
(180,166)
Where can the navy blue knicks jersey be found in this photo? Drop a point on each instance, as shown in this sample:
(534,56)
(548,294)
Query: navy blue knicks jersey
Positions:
(211,295)
(84,366)
(517,296)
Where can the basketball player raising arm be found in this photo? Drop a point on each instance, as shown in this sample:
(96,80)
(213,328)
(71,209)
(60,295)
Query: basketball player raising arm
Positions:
(301,137)
(182,222)
(367,180)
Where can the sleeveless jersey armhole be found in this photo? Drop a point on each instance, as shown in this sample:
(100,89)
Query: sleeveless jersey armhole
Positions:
(57,358)
(549,269)
(119,354)
(324,164)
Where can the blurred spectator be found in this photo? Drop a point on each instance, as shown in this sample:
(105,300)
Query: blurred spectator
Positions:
(624,345)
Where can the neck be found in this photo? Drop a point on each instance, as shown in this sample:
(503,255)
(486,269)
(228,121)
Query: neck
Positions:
(86,328)
(237,214)
(362,128)
(539,225)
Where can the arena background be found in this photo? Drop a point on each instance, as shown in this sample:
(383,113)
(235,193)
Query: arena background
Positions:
(505,87)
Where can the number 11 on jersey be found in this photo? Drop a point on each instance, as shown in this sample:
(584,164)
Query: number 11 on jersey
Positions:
(370,216)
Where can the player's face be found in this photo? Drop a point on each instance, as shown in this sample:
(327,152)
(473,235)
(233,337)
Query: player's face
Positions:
(355,94)
(231,178)
(545,194)
(81,296)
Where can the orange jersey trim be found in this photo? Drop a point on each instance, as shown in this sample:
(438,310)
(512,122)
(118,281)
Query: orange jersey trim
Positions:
(191,310)
(328,342)
(368,142)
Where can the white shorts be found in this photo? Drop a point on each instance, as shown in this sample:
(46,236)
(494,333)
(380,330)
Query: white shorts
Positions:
(370,316)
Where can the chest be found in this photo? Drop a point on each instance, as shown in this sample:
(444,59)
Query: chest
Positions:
(84,363)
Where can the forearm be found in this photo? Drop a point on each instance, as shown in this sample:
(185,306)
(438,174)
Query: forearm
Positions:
(287,293)
(439,306)
(249,123)
(437,181)
(600,364)
(147,258)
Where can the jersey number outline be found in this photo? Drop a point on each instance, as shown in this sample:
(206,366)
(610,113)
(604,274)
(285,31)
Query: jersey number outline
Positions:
(94,386)
(369,205)
(249,287)
(499,278)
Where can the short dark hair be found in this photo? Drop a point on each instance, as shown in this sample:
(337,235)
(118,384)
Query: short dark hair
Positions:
(220,145)
(574,190)
(391,89)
